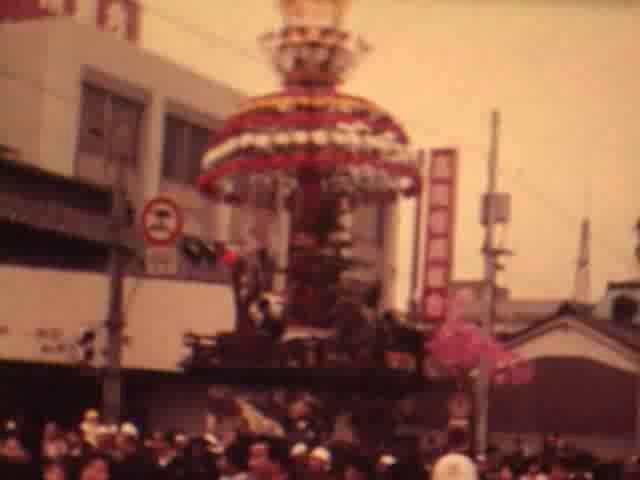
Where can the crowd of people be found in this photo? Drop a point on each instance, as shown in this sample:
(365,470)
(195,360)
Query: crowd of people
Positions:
(238,442)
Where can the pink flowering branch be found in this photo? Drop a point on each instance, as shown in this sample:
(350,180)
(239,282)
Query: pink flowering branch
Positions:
(458,347)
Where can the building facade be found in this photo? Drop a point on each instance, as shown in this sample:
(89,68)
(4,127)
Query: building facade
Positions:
(78,102)
(82,102)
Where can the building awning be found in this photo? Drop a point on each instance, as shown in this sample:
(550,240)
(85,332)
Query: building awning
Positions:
(43,200)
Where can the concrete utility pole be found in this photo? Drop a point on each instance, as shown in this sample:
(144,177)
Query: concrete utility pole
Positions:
(582,281)
(490,253)
(419,243)
(112,382)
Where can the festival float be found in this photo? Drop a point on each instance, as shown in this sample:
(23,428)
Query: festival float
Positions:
(309,155)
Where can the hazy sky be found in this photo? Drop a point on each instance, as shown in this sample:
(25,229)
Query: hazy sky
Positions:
(565,75)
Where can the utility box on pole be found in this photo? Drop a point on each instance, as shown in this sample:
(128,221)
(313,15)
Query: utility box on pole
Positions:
(495,209)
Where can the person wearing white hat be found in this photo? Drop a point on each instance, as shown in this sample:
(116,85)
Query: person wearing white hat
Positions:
(319,463)
(126,440)
(90,426)
(213,444)
(299,454)
(454,466)
(130,430)
(384,462)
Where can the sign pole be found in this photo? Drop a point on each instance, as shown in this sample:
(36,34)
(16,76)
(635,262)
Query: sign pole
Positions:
(112,381)
(482,385)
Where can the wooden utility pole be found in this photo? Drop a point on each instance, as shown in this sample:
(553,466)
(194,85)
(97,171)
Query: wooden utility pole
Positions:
(112,382)
(490,266)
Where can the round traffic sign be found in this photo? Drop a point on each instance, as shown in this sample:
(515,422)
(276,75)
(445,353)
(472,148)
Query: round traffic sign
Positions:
(162,221)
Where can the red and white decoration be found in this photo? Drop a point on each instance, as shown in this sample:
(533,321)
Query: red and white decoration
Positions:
(310,128)
(16,10)
(295,129)
(440,224)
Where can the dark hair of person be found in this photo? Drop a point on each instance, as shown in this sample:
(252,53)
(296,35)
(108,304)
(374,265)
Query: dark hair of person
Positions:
(48,463)
(89,459)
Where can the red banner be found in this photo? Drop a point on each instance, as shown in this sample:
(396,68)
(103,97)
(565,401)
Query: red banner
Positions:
(440,225)
(16,10)
(121,18)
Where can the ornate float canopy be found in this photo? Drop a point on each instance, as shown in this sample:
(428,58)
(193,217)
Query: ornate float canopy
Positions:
(347,142)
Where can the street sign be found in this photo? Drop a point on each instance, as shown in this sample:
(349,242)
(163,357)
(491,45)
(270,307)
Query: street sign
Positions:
(162,222)
(161,261)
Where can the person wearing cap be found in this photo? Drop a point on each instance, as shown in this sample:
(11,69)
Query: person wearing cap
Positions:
(505,472)
(106,438)
(15,461)
(298,453)
(213,444)
(90,426)
(319,464)
(534,471)
(76,448)
(127,461)
(95,467)
(180,440)
(559,470)
(53,470)
(268,459)
(454,466)
(165,458)
(229,470)
(483,467)
(54,446)
(232,463)
(357,467)
(126,440)
(384,462)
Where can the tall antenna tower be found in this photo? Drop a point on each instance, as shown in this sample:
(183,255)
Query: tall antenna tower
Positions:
(582,281)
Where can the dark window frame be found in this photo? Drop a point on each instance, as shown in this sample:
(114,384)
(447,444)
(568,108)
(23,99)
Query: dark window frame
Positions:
(99,134)
(184,144)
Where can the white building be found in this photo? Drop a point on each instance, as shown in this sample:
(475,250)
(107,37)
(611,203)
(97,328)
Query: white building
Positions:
(78,99)
(72,94)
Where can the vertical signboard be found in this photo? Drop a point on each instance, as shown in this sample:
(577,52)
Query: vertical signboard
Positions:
(439,225)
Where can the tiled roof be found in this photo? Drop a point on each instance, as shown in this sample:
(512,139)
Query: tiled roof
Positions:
(625,335)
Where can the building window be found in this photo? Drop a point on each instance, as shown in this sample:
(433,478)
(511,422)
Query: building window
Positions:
(110,124)
(184,146)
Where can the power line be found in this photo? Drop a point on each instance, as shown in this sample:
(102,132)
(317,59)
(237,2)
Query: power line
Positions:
(220,41)
(216,40)
(559,213)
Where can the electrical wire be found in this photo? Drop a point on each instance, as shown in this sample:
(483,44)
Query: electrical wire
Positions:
(559,213)
(210,38)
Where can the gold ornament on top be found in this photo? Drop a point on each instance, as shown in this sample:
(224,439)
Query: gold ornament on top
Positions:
(313,13)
